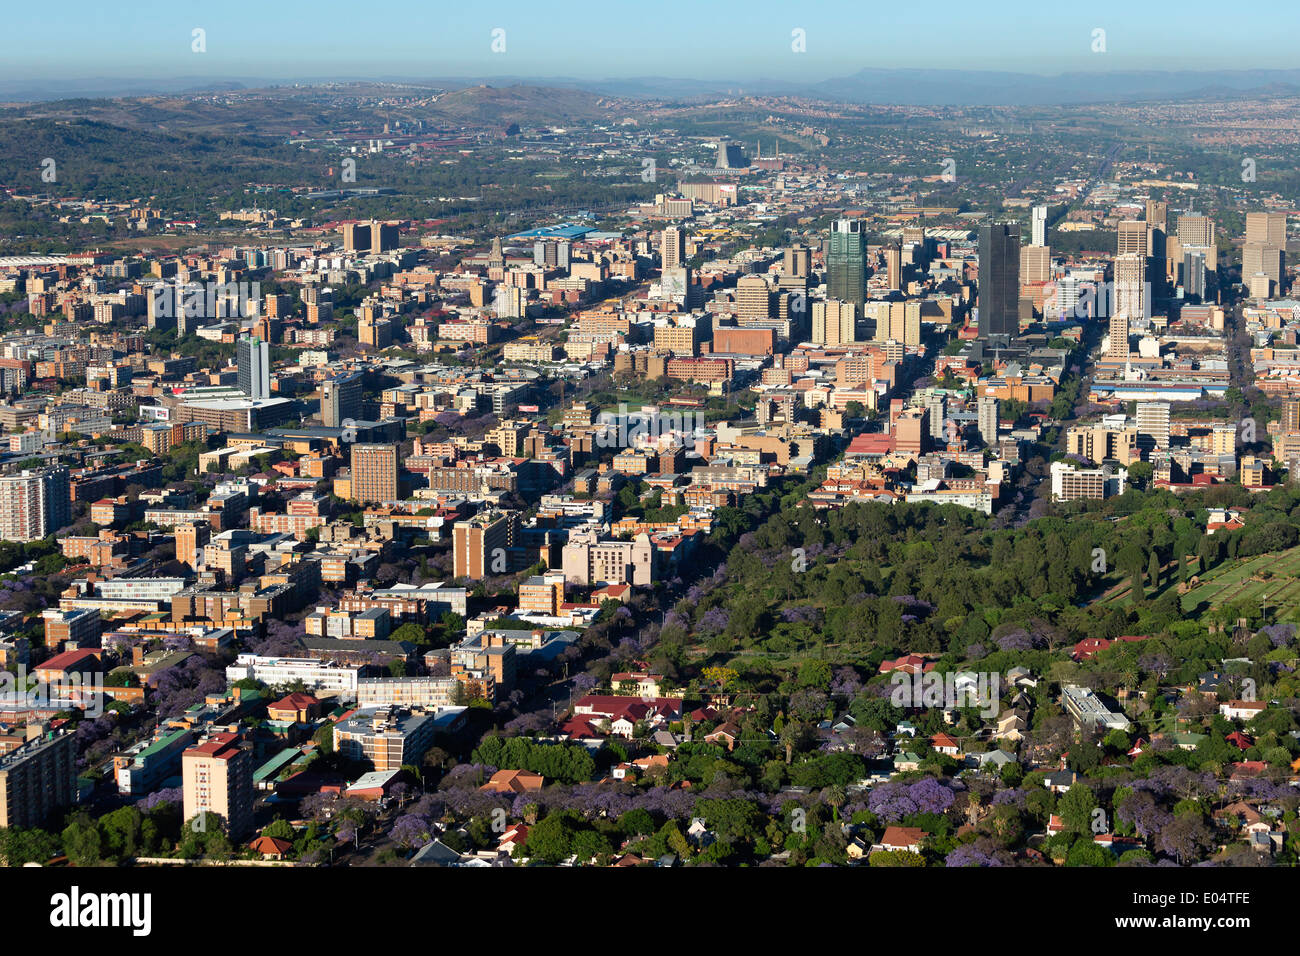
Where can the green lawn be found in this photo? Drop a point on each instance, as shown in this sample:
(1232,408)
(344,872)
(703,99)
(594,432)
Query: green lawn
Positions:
(1236,581)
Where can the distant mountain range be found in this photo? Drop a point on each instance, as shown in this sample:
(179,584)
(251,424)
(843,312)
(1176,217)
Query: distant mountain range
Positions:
(913,87)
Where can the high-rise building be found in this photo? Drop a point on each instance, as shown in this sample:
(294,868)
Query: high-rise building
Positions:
(1117,347)
(1132,291)
(893,267)
(217,778)
(254,358)
(753,299)
(340,399)
(937,406)
(1198,232)
(34,503)
(1265,250)
(372,236)
(1035,264)
(846,263)
(1157,214)
(986,411)
(1194,274)
(834,323)
(1291,415)
(672,251)
(374,473)
(1153,424)
(798,261)
(999,279)
(1038,224)
(551,255)
(481,545)
(356,237)
(1266,227)
(38,777)
(1132,238)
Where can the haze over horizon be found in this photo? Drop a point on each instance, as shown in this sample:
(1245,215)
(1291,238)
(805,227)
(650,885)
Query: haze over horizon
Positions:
(152,40)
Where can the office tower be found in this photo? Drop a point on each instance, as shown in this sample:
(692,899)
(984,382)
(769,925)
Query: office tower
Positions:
(1038,223)
(1157,215)
(846,263)
(38,777)
(34,504)
(1153,424)
(1132,294)
(254,357)
(1194,275)
(551,255)
(217,778)
(753,299)
(1035,264)
(1132,238)
(986,411)
(672,248)
(798,261)
(480,545)
(1198,232)
(999,279)
(383,236)
(374,473)
(893,267)
(356,237)
(162,306)
(340,399)
(1265,249)
(834,323)
(1291,415)
(1266,227)
(1117,347)
(937,406)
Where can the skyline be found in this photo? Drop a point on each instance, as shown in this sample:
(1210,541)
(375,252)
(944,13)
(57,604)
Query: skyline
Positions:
(152,40)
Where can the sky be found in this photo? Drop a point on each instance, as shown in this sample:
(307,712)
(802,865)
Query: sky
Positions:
(696,39)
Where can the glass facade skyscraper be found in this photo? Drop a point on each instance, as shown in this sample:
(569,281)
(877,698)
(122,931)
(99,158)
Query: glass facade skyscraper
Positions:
(999,280)
(846,265)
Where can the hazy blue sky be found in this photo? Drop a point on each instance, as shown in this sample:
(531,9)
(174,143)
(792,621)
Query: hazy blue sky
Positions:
(705,39)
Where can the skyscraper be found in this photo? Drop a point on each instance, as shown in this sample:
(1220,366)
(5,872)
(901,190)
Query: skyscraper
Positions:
(254,357)
(1038,221)
(1265,248)
(1194,274)
(340,399)
(374,473)
(1153,424)
(1132,292)
(999,279)
(986,410)
(798,261)
(846,265)
(1196,231)
(1158,215)
(753,299)
(34,504)
(672,248)
(1117,347)
(834,323)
